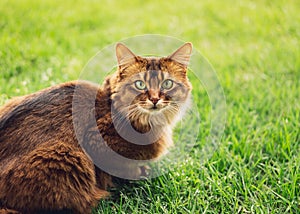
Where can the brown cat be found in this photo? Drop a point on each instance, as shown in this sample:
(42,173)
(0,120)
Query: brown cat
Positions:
(43,165)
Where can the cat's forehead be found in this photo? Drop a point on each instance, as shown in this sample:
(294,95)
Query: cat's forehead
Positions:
(154,66)
(151,75)
(153,63)
(163,64)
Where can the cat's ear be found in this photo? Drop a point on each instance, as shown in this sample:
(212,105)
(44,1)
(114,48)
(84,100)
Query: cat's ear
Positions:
(124,55)
(183,54)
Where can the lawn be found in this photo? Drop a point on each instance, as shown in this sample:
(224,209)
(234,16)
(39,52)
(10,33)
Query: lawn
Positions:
(254,47)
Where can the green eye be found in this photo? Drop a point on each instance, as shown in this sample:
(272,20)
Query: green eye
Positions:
(167,84)
(139,84)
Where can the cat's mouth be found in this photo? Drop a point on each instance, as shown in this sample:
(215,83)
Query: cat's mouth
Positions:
(157,106)
(155,109)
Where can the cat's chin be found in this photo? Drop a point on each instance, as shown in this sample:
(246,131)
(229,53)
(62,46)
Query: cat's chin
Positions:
(153,110)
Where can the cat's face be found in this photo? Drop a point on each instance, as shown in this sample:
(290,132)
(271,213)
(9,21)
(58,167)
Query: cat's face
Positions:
(150,90)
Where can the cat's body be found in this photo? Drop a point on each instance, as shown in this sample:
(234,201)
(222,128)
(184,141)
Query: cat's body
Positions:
(42,164)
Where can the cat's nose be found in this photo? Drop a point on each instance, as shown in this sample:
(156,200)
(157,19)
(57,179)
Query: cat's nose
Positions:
(154,96)
(154,100)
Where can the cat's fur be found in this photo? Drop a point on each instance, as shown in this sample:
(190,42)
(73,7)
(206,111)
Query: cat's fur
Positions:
(42,165)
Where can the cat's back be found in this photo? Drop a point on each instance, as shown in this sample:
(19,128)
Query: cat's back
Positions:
(34,119)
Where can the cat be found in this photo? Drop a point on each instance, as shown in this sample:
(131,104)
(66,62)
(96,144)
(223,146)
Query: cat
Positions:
(43,166)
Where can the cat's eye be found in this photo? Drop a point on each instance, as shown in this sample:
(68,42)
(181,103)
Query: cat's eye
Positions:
(139,84)
(167,84)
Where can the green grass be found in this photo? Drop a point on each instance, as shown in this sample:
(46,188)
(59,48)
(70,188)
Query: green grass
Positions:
(254,47)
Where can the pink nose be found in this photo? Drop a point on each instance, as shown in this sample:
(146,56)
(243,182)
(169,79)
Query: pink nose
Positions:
(154,100)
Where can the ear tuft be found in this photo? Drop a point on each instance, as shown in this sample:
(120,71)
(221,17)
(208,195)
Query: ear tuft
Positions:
(124,54)
(183,54)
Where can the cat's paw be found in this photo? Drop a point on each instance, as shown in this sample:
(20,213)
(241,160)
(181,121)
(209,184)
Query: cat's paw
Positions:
(134,172)
(104,180)
(145,171)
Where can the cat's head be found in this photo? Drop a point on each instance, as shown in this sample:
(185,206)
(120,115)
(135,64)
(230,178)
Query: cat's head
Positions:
(151,90)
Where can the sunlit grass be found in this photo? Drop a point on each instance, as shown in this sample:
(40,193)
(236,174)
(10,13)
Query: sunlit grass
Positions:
(255,49)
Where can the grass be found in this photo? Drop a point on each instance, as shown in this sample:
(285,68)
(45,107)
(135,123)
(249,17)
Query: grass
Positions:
(255,49)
